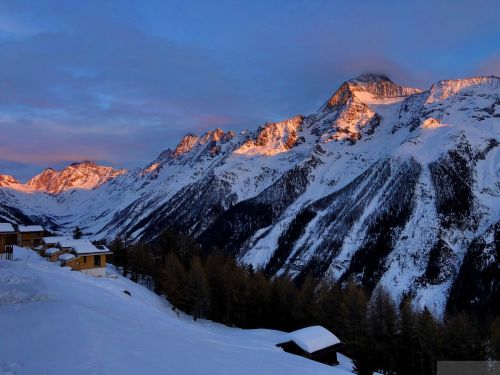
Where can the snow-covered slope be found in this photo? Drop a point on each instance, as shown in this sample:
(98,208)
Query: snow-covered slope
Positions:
(384,183)
(56,321)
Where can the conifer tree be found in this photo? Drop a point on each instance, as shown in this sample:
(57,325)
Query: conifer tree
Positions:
(173,280)
(197,294)
(77,233)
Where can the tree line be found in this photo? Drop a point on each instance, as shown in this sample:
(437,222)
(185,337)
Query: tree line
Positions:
(379,334)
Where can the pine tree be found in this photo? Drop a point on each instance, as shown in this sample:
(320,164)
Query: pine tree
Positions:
(173,280)
(495,339)
(382,319)
(77,233)
(197,294)
(407,338)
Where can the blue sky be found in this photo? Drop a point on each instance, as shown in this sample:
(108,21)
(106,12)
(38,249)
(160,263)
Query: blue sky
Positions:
(120,81)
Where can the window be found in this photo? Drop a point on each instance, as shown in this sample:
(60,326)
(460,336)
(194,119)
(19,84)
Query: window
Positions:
(97,260)
(84,259)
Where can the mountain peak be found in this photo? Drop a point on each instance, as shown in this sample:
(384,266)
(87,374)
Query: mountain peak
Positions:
(371,77)
(368,88)
(6,180)
(446,88)
(80,175)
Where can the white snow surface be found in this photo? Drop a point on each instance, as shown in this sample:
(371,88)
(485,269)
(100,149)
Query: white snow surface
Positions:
(30,228)
(311,339)
(6,228)
(66,256)
(56,321)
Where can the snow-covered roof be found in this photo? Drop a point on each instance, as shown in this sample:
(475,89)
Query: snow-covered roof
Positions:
(311,339)
(71,242)
(6,228)
(54,239)
(86,248)
(66,256)
(30,228)
(52,250)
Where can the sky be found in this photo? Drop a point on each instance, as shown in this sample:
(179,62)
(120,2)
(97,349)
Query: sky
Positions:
(120,81)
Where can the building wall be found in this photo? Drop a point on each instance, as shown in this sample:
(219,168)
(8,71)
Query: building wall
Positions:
(7,239)
(79,263)
(54,257)
(30,239)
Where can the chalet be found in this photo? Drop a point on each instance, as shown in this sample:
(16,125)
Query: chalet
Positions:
(29,235)
(85,257)
(53,240)
(315,343)
(52,253)
(8,237)
(50,242)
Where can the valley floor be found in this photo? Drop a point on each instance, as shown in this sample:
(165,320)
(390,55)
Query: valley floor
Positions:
(57,321)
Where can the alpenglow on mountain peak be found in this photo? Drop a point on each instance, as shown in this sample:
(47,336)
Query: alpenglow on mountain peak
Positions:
(367,88)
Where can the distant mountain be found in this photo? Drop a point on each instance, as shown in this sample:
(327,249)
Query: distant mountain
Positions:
(384,183)
(84,175)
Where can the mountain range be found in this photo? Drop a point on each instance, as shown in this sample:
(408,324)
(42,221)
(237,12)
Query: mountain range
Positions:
(387,184)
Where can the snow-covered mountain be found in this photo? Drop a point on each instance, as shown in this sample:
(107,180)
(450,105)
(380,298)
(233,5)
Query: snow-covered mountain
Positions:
(96,328)
(388,184)
(84,175)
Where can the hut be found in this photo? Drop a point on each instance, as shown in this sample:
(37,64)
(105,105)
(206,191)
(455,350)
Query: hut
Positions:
(86,257)
(29,235)
(315,343)
(50,242)
(8,237)
(52,253)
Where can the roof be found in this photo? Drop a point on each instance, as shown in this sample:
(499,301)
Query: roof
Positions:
(6,228)
(30,228)
(54,239)
(52,250)
(66,256)
(90,249)
(311,339)
(71,242)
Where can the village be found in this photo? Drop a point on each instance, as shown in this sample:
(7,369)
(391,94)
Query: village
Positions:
(315,343)
(77,253)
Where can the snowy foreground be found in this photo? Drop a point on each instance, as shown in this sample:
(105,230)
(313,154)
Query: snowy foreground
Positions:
(56,321)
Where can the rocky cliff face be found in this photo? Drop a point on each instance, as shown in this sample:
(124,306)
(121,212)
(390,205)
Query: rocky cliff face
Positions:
(386,184)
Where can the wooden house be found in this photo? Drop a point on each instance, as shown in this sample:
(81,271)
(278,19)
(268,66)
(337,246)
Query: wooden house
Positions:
(50,242)
(8,237)
(315,343)
(86,257)
(29,235)
(52,253)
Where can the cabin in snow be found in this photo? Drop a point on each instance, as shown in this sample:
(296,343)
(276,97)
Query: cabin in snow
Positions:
(52,253)
(53,240)
(29,235)
(8,237)
(315,343)
(84,256)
